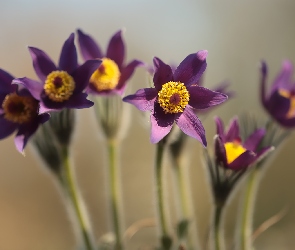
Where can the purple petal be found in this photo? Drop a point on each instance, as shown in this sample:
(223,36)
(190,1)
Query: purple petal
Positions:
(42,118)
(48,105)
(116,49)
(190,124)
(233,131)
(89,48)
(126,73)
(283,79)
(7,127)
(254,139)
(161,123)
(288,123)
(143,99)
(33,86)
(83,73)
(202,98)
(219,128)
(24,133)
(79,101)
(68,60)
(191,68)
(220,152)
(163,73)
(243,161)
(277,105)
(5,81)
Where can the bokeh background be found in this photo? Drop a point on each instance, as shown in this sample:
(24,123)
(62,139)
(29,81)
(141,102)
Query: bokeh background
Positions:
(237,34)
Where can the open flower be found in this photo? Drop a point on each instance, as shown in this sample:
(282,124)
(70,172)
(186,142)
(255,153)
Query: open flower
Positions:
(175,96)
(234,154)
(280,101)
(112,75)
(63,85)
(19,111)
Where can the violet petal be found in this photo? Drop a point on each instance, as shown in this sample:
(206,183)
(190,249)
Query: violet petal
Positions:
(163,73)
(220,152)
(7,127)
(233,131)
(283,80)
(24,133)
(116,49)
(143,99)
(79,101)
(33,86)
(243,161)
(254,139)
(219,128)
(5,81)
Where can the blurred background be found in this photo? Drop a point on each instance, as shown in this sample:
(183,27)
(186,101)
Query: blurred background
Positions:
(237,34)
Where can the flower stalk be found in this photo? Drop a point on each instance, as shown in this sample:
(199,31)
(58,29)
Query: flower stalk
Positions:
(217,227)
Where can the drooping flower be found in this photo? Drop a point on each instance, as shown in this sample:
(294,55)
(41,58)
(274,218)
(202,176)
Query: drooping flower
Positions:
(19,111)
(61,86)
(231,152)
(175,96)
(280,101)
(112,75)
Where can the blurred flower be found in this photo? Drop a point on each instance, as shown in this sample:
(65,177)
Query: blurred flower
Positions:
(175,96)
(280,101)
(19,111)
(112,75)
(62,86)
(231,152)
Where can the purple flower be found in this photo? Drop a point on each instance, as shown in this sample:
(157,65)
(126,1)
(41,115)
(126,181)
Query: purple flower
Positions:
(112,75)
(280,101)
(19,111)
(175,96)
(63,85)
(234,154)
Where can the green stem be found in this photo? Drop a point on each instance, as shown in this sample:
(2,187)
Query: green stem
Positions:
(160,191)
(217,227)
(72,189)
(114,192)
(248,208)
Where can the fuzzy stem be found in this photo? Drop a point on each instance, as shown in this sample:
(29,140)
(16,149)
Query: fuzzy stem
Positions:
(70,185)
(114,192)
(217,227)
(248,209)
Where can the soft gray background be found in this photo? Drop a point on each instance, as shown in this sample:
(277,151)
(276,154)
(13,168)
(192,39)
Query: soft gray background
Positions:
(237,34)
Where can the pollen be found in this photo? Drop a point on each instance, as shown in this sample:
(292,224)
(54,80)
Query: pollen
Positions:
(19,109)
(59,86)
(291,96)
(173,97)
(233,150)
(107,76)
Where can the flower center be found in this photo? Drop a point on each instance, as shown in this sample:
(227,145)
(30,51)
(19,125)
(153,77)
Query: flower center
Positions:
(59,86)
(233,150)
(107,76)
(19,109)
(291,96)
(173,97)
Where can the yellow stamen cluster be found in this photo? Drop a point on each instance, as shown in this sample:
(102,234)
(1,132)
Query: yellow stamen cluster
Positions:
(19,109)
(59,86)
(173,97)
(107,76)
(287,94)
(233,151)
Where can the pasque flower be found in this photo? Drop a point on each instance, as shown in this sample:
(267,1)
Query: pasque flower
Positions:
(231,152)
(174,97)
(19,111)
(112,75)
(61,86)
(280,101)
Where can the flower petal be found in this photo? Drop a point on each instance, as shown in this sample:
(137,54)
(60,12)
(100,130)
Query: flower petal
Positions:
(79,101)
(126,73)
(278,106)
(163,73)
(143,99)
(220,128)
(116,49)
(24,133)
(5,81)
(89,48)
(161,123)
(33,86)
(254,139)
(233,131)
(48,105)
(191,68)
(284,78)
(243,161)
(68,60)
(220,152)
(202,98)
(43,65)
(83,73)
(7,127)
(190,124)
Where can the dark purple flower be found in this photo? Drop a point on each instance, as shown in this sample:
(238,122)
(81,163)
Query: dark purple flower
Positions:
(19,111)
(175,96)
(112,75)
(280,101)
(234,154)
(63,85)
